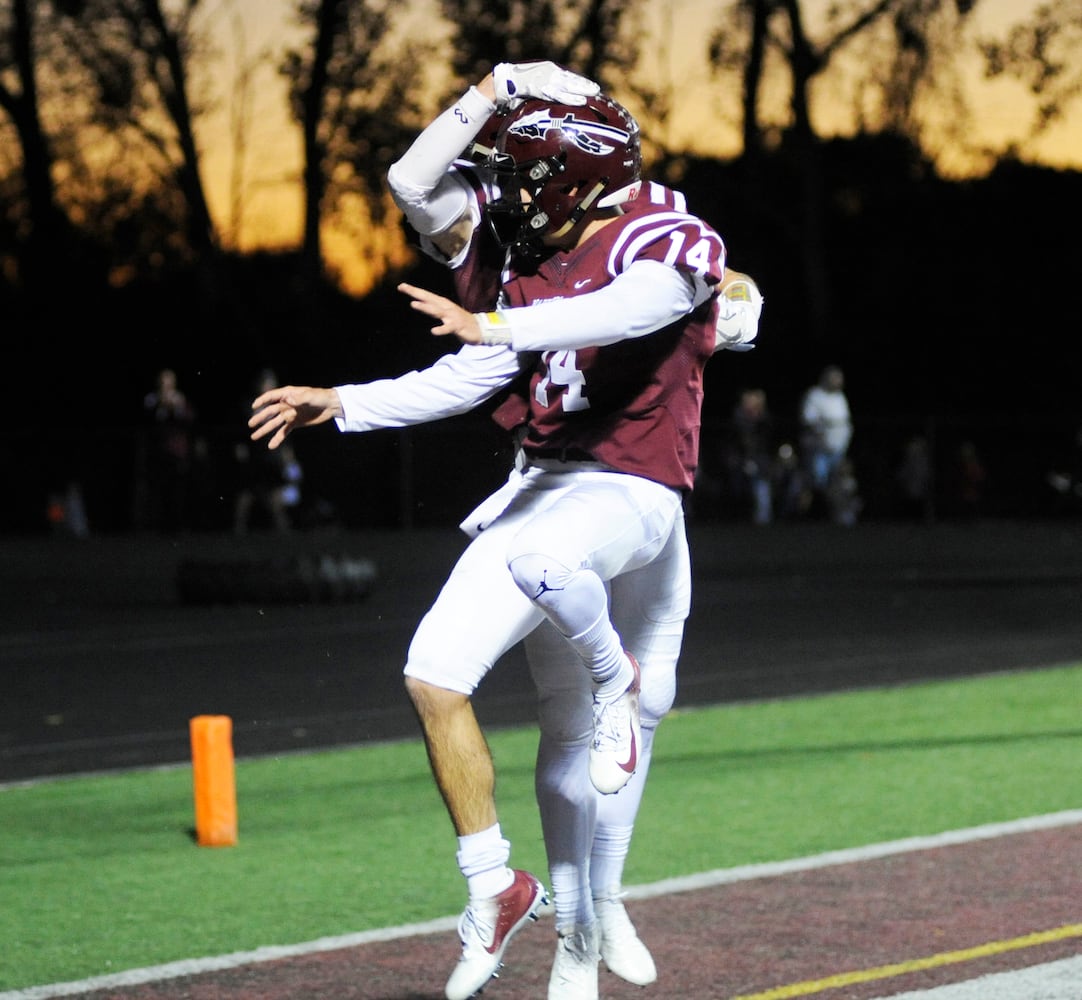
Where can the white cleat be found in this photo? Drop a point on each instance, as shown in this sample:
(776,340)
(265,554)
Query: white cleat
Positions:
(621,948)
(574,970)
(614,753)
(486,928)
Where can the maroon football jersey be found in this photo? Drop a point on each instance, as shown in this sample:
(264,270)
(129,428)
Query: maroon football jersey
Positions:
(634,405)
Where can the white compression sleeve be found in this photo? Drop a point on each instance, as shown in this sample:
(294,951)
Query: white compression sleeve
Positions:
(646,297)
(415,176)
(454,384)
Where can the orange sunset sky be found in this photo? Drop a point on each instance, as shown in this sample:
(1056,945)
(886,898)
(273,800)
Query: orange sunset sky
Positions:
(271,201)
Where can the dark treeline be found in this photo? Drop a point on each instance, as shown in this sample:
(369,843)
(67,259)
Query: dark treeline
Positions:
(943,299)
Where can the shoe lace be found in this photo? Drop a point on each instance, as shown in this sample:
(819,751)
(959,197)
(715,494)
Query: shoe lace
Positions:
(474,928)
(612,722)
(575,958)
(576,944)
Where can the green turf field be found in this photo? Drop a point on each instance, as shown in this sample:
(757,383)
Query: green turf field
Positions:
(101,874)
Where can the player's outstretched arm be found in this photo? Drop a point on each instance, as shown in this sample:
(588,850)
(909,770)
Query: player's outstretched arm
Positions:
(281,410)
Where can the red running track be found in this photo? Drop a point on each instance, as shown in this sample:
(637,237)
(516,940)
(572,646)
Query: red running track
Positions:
(983,906)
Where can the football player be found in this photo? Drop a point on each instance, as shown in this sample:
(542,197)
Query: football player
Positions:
(607,293)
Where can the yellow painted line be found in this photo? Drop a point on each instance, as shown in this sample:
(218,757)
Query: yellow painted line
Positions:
(916,965)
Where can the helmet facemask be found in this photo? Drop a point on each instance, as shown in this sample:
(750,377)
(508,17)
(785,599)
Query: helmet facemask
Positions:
(516,216)
(553,163)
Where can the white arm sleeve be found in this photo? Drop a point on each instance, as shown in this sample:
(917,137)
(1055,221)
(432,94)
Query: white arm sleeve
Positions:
(419,180)
(646,297)
(454,384)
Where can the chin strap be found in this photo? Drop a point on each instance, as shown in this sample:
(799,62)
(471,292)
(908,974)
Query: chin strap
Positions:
(581,209)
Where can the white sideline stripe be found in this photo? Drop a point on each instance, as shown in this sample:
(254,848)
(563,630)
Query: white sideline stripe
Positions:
(197,966)
(705,880)
(721,876)
(1051,981)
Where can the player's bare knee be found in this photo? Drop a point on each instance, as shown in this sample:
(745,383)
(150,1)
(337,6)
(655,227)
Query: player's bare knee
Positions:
(430,700)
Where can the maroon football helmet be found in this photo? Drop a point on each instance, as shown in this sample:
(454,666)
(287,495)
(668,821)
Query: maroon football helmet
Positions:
(567,158)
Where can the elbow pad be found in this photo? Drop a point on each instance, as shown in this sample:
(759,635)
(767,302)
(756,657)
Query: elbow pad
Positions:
(429,211)
(739,307)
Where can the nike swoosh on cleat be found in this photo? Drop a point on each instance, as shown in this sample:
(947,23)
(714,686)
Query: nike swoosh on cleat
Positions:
(629,766)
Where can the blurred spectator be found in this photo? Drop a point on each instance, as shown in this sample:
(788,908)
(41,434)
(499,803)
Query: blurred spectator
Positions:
(166,454)
(268,482)
(826,431)
(914,477)
(970,478)
(66,512)
(792,498)
(844,495)
(750,458)
(1066,480)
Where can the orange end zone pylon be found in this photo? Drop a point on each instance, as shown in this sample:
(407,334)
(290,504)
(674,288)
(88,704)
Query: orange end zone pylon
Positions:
(215,780)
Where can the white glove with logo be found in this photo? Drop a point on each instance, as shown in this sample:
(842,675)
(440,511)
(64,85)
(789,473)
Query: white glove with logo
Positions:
(739,307)
(517,81)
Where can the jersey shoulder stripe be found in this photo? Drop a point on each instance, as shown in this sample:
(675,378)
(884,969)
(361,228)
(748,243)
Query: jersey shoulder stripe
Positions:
(668,236)
(658,194)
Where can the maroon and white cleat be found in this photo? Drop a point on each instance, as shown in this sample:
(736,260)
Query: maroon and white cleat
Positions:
(486,928)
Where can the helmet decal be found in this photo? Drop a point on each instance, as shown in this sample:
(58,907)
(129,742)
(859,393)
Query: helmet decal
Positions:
(593,137)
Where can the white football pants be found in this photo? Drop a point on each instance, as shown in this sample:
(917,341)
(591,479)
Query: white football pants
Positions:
(627,533)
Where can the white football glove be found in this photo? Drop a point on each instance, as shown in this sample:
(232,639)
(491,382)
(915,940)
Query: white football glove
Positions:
(517,81)
(739,307)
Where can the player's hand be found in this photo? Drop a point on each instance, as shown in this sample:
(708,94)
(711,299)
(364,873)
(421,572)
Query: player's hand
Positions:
(517,81)
(452,317)
(279,411)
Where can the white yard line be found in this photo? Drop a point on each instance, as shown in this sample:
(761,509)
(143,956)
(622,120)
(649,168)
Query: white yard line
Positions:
(768,869)
(1060,980)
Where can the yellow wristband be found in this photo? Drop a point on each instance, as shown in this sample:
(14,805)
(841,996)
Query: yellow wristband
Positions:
(495,327)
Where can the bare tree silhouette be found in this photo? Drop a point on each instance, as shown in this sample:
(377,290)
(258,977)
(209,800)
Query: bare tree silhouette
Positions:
(1045,53)
(355,94)
(909,40)
(97,92)
(20,62)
